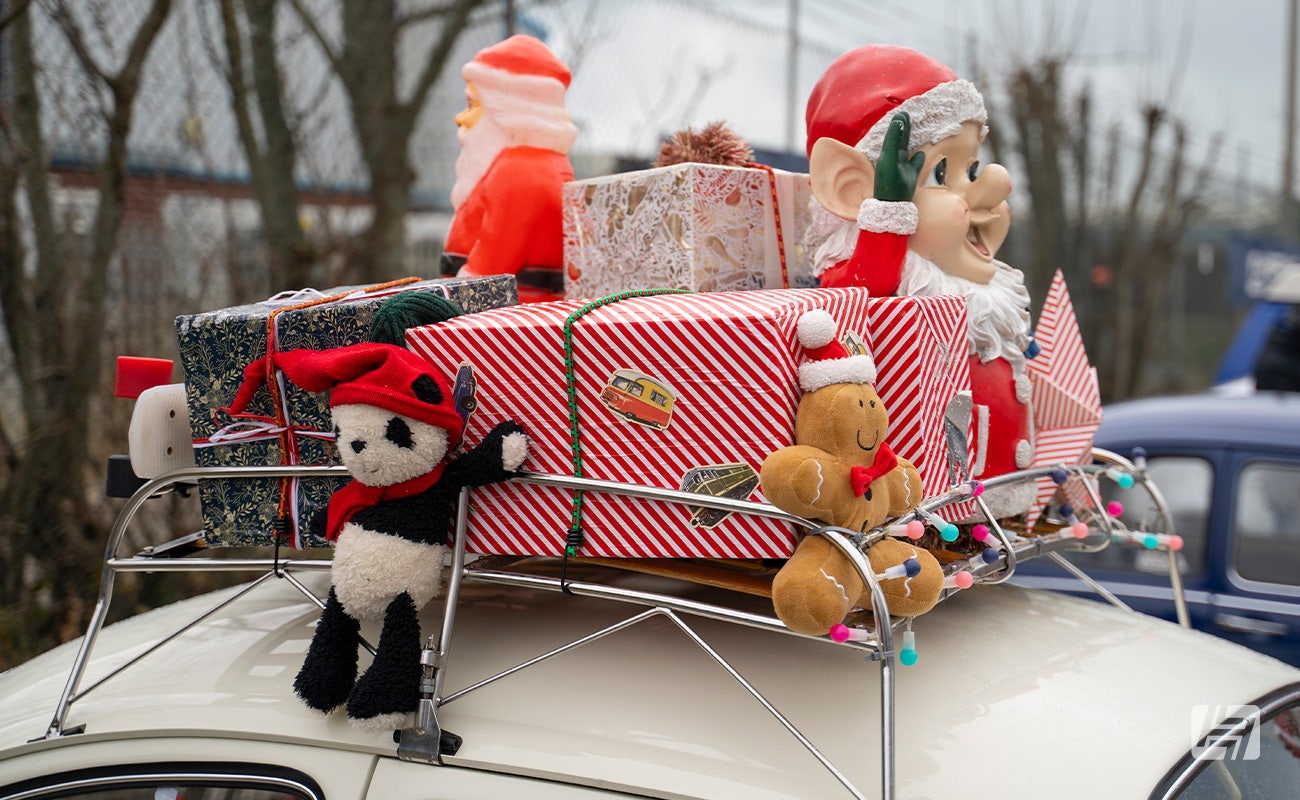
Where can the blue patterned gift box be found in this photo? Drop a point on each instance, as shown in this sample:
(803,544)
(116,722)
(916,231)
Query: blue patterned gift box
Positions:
(216,346)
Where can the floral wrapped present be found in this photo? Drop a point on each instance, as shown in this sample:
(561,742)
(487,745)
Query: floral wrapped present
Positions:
(681,391)
(690,226)
(216,346)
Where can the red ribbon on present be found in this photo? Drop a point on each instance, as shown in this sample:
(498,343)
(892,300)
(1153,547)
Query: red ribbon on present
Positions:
(776,218)
(284,431)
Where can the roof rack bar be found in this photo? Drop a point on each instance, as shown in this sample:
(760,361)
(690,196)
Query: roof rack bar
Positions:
(747,507)
(453,595)
(138,564)
(885,642)
(887,778)
(112,565)
(1106,594)
(243,590)
(636,597)
(310,595)
(879,646)
(1162,509)
(549,654)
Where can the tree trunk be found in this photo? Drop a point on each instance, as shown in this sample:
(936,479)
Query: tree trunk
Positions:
(272,157)
(366,64)
(290,261)
(55,320)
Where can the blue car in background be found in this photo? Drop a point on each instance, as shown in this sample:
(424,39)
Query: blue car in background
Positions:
(1229,468)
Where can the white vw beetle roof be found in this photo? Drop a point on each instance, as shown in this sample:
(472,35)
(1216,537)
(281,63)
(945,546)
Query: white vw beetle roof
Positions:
(1036,694)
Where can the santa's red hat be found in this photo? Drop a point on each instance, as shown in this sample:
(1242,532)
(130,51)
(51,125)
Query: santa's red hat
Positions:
(829,360)
(858,94)
(521,65)
(382,375)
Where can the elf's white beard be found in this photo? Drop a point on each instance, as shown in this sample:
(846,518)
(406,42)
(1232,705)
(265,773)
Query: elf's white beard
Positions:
(998,311)
(479,146)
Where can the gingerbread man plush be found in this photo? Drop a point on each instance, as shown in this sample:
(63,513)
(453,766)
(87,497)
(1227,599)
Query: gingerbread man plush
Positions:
(842,472)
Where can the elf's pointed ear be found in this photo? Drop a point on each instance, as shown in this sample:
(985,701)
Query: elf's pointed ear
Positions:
(841,177)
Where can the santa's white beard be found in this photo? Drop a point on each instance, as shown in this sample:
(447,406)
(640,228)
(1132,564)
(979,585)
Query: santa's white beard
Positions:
(479,146)
(998,311)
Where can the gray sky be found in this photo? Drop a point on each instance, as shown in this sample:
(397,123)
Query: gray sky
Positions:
(647,67)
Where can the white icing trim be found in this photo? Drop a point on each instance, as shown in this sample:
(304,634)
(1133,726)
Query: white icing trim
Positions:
(1024,454)
(886,216)
(936,115)
(1024,390)
(855,369)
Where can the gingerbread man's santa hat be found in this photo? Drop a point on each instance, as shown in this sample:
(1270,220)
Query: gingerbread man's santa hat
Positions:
(829,360)
(861,90)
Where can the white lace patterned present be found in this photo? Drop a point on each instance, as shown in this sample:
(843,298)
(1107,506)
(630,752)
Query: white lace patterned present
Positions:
(689,226)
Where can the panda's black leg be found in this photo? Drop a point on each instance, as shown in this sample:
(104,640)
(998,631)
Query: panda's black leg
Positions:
(330,669)
(390,690)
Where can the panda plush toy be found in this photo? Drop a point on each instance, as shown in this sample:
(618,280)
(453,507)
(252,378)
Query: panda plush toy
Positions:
(397,427)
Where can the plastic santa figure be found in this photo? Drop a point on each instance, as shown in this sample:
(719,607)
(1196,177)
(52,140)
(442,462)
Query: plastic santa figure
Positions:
(893,142)
(515,136)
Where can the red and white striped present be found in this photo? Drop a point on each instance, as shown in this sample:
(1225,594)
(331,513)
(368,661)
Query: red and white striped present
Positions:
(1066,396)
(673,389)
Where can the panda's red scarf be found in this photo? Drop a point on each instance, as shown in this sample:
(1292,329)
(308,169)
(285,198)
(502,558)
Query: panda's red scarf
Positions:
(356,496)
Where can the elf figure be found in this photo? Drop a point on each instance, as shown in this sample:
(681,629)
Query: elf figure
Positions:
(893,145)
(515,136)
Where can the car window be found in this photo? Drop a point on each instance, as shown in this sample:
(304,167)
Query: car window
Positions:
(1266,523)
(1261,764)
(1185,482)
(170,782)
(174,791)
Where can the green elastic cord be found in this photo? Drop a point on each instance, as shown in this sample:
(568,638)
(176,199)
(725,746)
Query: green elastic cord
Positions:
(574,540)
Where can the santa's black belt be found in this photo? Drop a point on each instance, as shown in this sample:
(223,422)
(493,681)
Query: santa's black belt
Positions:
(550,279)
(450,265)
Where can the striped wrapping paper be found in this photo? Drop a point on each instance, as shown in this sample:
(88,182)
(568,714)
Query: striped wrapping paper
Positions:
(919,344)
(729,361)
(1066,396)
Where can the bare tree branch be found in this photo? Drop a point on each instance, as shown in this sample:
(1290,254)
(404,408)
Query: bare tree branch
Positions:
(141,45)
(309,22)
(30,349)
(423,15)
(458,16)
(219,62)
(18,7)
(72,31)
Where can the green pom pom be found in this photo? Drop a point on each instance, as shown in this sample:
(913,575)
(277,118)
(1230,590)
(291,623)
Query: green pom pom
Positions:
(408,310)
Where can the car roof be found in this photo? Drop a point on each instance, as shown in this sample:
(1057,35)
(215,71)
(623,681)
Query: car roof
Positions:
(1015,685)
(1262,420)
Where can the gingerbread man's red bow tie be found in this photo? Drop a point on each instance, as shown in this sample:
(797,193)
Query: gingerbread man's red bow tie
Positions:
(863,476)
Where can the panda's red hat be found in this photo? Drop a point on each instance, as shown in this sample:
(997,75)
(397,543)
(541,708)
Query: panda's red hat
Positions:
(381,375)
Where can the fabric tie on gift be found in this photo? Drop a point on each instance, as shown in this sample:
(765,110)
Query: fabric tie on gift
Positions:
(863,476)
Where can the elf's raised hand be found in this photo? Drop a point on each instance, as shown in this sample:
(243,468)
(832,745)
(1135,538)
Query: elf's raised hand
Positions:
(896,174)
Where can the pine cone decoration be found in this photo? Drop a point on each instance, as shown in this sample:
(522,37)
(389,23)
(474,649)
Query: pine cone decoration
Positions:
(714,144)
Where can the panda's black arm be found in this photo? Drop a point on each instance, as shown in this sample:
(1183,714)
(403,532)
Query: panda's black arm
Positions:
(483,464)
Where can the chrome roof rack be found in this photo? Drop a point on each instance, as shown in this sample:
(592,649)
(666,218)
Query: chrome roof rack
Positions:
(422,742)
